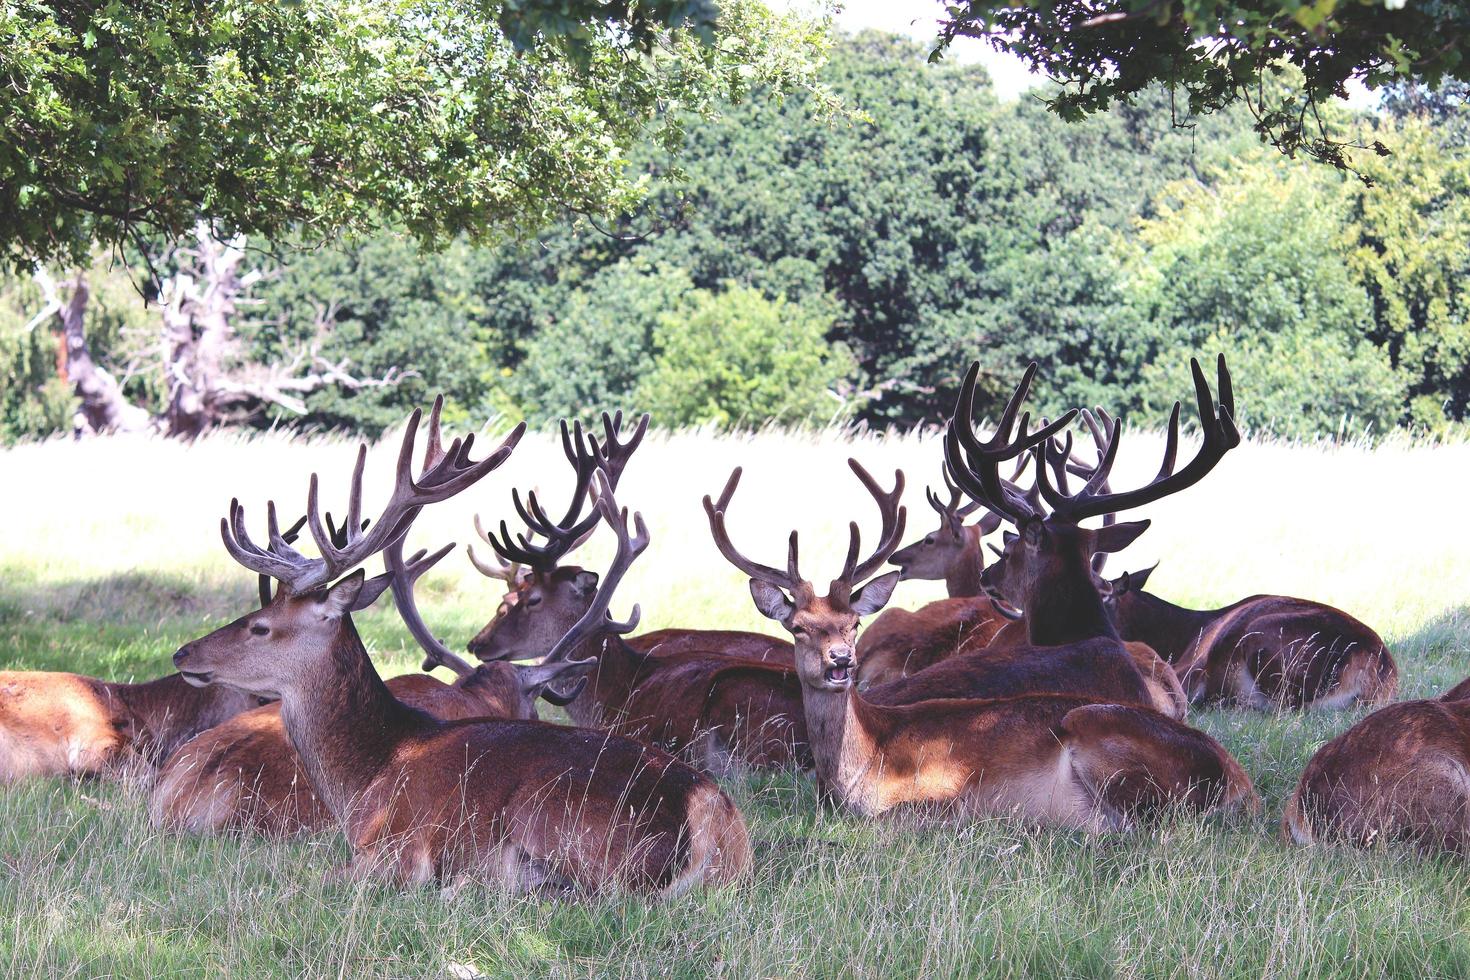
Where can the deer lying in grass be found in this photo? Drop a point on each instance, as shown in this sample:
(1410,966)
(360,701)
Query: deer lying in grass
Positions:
(716,709)
(519,802)
(901,642)
(1402,774)
(244,774)
(1267,651)
(534,574)
(54,723)
(1049,759)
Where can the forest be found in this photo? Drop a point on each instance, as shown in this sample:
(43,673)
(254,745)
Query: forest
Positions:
(796,263)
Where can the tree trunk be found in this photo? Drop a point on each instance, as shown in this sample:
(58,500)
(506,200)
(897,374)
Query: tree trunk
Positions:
(104,408)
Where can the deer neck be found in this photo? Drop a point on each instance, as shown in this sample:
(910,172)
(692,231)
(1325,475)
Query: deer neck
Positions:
(344,722)
(963,577)
(169,711)
(1066,608)
(1173,631)
(845,748)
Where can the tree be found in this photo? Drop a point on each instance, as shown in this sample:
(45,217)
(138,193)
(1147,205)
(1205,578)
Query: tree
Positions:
(738,358)
(123,118)
(1283,59)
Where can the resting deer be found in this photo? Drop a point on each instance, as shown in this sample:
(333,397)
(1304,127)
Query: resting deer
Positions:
(1401,774)
(523,803)
(901,642)
(54,723)
(1049,759)
(717,709)
(533,574)
(244,774)
(1267,651)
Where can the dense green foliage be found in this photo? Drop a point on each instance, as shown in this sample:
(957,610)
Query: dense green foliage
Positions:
(1218,53)
(117,118)
(930,226)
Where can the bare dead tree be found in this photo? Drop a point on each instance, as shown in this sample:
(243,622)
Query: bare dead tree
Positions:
(207,371)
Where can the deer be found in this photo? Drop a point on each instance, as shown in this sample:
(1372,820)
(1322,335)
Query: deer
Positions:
(54,723)
(534,574)
(1048,759)
(1266,652)
(1402,774)
(243,775)
(900,642)
(523,804)
(718,710)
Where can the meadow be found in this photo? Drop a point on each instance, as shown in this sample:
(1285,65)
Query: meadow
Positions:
(110,558)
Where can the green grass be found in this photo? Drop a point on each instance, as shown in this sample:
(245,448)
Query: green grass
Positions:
(112,560)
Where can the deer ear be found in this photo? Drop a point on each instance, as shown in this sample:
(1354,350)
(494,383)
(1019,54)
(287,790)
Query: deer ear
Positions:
(372,589)
(586,583)
(1032,533)
(1116,537)
(342,597)
(990,523)
(1009,536)
(1137,580)
(771,601)
(875,594)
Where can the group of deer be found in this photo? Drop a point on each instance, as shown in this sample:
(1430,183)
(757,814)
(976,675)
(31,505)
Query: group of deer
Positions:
(1039,690)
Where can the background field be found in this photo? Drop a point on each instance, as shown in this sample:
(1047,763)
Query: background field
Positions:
(111,558)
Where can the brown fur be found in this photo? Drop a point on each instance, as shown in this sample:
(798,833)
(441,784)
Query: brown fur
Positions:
(900,643)
(1267,651)
(244,775)
(1400,774)
(524,803)
(60,724)
(732,643)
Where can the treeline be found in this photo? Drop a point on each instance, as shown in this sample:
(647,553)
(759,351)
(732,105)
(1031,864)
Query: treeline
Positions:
(801,270)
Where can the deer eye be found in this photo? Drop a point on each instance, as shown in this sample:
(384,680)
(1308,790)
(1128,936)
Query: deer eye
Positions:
(929,539)
(259,630)
(534,600)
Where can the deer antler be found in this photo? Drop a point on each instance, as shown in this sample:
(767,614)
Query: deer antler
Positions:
(893,515)
(1220,435)
(789,580)
(444,474)
(973,464)
(403,575)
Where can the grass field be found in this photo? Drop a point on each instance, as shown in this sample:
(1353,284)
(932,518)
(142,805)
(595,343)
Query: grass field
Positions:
(110,558)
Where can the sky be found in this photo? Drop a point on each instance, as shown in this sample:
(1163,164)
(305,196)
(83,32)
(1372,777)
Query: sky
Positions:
(918,19)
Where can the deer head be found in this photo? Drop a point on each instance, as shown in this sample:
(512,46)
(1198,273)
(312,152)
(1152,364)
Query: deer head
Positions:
(935,555)
(547,598)
(1051,559)
(310,613)
(824,627)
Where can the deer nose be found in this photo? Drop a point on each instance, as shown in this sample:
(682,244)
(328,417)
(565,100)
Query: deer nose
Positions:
(841,657)
(182,654)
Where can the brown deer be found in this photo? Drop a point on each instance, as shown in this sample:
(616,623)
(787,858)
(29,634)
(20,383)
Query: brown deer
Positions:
(1049,759)
(1266,651)
(520,802)
(54,723)
(244,774)
(718,710)
(901,642)
(1402,774)
(534,573)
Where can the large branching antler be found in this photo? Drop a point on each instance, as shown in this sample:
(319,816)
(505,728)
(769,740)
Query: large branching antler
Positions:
(587,457)
(894,516)
(974,464)
(404,574)
(596,620)
(1220,435)
(445,472)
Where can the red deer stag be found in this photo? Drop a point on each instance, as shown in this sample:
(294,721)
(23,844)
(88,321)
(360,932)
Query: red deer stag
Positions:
(244,775)
(1267,651)
(1049,759)
(1402,774)
(524,803)
(901,642)
(718,710)
(534,573)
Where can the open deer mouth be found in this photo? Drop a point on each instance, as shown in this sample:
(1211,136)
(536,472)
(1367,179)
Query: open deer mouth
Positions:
(838,675)
(198,678)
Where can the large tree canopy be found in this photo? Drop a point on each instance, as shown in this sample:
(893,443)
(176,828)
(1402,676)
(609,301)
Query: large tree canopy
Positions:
(118,118)
(1218,52)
